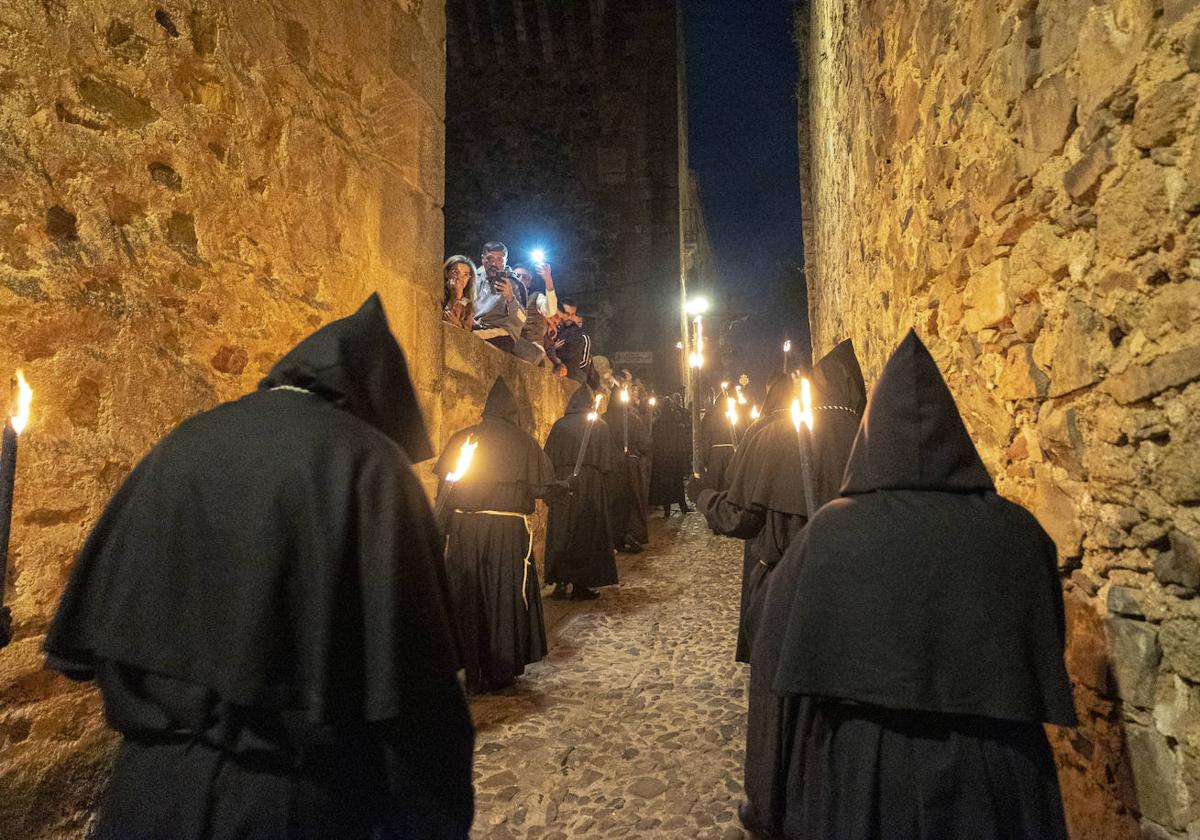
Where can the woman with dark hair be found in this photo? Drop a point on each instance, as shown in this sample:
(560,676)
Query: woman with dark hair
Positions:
(458,291)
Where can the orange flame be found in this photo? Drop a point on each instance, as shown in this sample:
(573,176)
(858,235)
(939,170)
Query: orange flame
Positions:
(24,400)
(464,459)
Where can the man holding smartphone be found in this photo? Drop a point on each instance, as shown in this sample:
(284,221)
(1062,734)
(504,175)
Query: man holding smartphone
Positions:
(499,299)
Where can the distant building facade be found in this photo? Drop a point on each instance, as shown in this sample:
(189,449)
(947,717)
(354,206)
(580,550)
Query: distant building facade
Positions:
(561,133)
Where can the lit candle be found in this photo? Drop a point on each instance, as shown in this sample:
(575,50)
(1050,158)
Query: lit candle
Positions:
(625,420)
(732,415)
(592,416)
(13,426)
(465,454)
(787,348)
(802,419)
(754,413)
(653,402)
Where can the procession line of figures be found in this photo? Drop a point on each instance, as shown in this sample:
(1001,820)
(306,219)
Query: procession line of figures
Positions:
(276,621)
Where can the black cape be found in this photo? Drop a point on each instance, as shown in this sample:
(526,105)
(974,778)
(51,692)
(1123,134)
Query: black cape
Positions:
(490,567)
(718,442)
(262,606)
(917,627)
(631,479)
(671,462)
(765,503)
(579,542)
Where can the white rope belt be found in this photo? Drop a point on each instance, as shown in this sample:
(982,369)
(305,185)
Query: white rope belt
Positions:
(719,445)
(526,563)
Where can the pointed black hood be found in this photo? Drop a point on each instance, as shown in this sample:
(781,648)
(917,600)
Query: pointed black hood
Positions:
(912,437)
(580,402)
(501,404)
(356,364)
(838,379)
(779,393)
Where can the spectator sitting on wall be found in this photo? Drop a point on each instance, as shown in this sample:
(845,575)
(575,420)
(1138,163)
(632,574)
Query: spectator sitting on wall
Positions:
(540,307)
(458,294)
(549,342)
(499,299)
(573,346)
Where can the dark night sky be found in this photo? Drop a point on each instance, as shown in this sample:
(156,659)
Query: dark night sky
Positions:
(741,66)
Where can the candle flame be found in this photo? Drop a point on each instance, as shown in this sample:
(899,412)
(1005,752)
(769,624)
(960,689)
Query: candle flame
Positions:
(724,386)
(787,346)
(803,415)
(624,395)
(653,402)
(741,398)
(596,401)
(592,416)
(754,412)
(24,400)
(464,459)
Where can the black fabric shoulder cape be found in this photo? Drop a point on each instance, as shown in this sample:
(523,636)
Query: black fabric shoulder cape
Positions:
(278,550)
(508,468)
(767,472)
(921,588)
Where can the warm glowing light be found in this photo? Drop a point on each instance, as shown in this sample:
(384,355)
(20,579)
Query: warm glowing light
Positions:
(724,386)
(787,346)
(538,255)
(24,400)
(803,415)
(464,459)
(696,360)
(754,413)
(625,395)
(741,398)
(696,306)
(653,402)
(678,345)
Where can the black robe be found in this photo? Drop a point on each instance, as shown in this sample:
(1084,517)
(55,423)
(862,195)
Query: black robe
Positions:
(632,477)
(718,440)
(765,503)
(767,488)
(490,567)
(263,608)
(579,543)
(916,630)
(671,461)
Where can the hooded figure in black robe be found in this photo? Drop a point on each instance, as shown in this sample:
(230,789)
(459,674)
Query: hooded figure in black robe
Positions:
(916,633)
(490,566)
(765,503)
(579,543)
(718,441)
(631,478)
(671,462)
(262,606)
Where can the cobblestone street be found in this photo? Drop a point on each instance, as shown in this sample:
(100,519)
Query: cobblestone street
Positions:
(634,725)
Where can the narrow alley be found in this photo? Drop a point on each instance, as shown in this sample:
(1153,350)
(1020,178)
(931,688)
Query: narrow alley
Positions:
(634,725)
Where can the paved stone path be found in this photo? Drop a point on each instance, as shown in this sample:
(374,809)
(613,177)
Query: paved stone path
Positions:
(634,725)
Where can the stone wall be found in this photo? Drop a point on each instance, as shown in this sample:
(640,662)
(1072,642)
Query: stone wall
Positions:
(1020,181)
(186,189)
(561,133)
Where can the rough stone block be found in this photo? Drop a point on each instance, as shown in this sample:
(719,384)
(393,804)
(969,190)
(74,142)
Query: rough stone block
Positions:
(1180,640)
(1021,378)
(1155,776)
(1135,658)
(1131,212)
(1139,382)
(1083,178)
(1111,41)
(1180,565)
(987,297)
(1124,601)
(1161,115)
(1055,509)
(1047,115)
